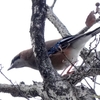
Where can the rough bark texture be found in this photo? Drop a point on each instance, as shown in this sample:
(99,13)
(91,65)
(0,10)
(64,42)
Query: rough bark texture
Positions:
(29,91)
(54,86)
(37,36)
(52,81)
(57,23)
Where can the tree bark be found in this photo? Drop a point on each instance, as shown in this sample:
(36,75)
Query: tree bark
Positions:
(54,86)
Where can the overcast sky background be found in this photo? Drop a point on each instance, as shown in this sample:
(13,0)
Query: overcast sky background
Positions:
(14,33)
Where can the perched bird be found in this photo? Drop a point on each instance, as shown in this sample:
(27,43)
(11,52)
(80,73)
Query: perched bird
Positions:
(58,50)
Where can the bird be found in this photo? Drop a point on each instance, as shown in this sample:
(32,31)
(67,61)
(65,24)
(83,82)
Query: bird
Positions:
(62,52)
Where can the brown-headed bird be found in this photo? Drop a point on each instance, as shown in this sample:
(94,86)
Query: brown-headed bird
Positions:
(70,46)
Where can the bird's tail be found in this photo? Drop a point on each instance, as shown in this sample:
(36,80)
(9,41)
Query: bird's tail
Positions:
(94,32)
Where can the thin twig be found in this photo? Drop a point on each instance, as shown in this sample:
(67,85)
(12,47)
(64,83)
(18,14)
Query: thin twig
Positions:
(6,77)
(94,81)
(13,84)
(53,4)
(94,78)
(87,28)
(57,23)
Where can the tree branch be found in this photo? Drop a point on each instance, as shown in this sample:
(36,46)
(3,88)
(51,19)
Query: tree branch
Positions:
(23,90)
(91,68)
(37,89)
(57,23)
(53,4)
(60,26)
(87,28)
(53,84)
(38,44)
(54,87)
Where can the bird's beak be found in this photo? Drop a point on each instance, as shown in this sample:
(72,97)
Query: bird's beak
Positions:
(11,67)
(18,64)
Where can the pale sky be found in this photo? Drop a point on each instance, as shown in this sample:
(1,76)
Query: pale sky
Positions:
(14,33)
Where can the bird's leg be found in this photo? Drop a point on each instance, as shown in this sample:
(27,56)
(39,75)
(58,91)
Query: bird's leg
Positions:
(66,67)
(69,72)
(63,71)
(72,64)
(66,57)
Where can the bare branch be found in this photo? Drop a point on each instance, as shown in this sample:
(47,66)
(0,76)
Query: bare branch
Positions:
(60,26)
(8,91)
(87,28)
(91,20)
(57,23)
(6,77)
(53,84)
(91,68)
(28,91)
(94,80)
(54,87)
(38,44)
(53,4)
(37,90)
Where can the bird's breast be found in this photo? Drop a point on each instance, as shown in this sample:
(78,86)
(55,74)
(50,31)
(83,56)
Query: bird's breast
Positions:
(60,60)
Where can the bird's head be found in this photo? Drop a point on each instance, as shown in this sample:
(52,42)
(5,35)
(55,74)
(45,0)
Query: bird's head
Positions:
(18,62)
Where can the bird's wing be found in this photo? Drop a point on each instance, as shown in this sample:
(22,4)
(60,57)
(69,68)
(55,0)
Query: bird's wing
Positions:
(51,43)
(59,44)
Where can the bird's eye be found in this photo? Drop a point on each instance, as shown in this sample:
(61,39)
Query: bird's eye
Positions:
(15,58)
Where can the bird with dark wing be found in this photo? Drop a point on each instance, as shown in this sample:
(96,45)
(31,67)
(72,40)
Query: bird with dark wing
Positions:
(70,46)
